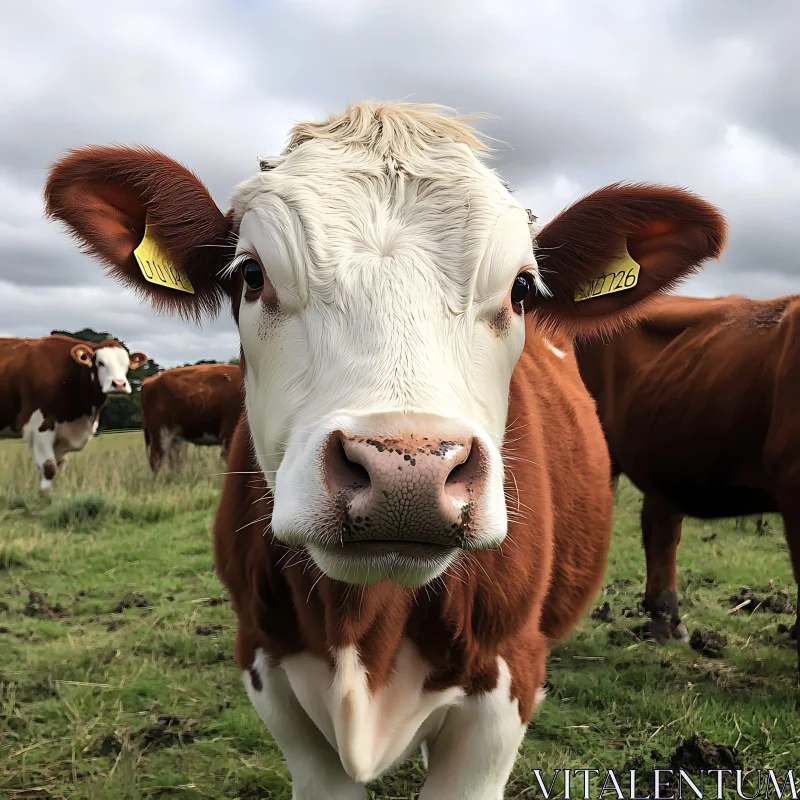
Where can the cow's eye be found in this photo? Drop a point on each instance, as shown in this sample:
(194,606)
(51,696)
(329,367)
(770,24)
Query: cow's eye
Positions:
(252,274)
(523,284)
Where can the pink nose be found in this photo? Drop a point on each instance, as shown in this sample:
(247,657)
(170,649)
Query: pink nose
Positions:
(118,383)
(419,489)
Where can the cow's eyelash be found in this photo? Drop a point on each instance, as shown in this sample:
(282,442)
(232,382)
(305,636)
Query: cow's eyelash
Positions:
(236,262)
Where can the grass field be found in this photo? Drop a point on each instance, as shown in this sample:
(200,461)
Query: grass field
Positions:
(116,641)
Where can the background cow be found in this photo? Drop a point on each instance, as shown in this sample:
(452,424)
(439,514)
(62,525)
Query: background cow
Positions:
(436,506)
(699,403)
(53,389)
(198,404)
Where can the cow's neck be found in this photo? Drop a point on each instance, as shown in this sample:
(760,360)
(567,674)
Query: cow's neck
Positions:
(457,622)
(83,397)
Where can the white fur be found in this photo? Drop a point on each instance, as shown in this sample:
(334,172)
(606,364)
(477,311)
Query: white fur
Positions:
(555,350)
(317,772)
(472,756)
(66,437)
(337,735)
(41,444)
(112,364)
(391,252)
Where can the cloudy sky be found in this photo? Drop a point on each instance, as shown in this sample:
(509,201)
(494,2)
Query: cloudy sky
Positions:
(700,93)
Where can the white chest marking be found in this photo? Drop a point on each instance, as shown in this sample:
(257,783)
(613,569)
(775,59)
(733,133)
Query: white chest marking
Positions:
(371,732)
(73,436)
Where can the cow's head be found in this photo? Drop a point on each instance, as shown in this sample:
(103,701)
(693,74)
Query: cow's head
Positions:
(381,277)
(109,363)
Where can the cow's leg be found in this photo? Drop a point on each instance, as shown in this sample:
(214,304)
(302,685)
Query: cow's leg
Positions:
(153,442)
(473,753)
(177,452)
(661,533)
(789,505)
(317,771)
(44,456)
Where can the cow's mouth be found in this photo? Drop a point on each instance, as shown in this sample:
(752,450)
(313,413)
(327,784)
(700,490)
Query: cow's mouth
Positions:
(368,562)
(386,547)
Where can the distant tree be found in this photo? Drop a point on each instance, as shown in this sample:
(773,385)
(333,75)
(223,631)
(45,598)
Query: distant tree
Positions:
(234,360)
(120,411)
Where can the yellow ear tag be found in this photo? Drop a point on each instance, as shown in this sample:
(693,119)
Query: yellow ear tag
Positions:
(157,267)
(619,274)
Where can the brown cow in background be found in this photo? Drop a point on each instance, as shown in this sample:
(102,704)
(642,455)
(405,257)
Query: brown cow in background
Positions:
(52,390)
(197,404)
(700,403)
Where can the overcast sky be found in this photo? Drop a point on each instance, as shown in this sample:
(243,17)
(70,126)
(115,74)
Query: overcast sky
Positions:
(700,93)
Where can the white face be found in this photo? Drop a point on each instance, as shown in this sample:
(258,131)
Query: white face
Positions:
(112,370)
(386,318)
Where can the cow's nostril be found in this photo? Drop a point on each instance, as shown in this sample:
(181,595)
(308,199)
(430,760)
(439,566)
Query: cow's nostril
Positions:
(342,473)
(463,476)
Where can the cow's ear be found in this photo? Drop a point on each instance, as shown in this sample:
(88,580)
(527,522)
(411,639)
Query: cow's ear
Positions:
(137,359)
(82,354)
(604,257)
(109,197)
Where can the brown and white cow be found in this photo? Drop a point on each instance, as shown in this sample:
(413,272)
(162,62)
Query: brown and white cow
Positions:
(52,389)
(199,404)
(699,403)
(438,507)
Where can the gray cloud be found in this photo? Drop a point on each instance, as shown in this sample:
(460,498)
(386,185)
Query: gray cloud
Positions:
(696,94)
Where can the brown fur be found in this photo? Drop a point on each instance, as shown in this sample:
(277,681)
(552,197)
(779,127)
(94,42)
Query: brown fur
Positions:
(105,201)
(510,602)
(191,402)
(699,406)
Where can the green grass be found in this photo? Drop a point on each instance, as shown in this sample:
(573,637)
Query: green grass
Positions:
(84,682)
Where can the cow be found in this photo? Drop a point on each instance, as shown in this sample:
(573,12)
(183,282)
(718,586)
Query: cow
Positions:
(698,402)
(417,501)
(198,404)
(53,389)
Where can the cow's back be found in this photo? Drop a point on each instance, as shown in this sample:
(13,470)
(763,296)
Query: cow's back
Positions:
(685,398)
(193,400)
(13,354)
(33,373)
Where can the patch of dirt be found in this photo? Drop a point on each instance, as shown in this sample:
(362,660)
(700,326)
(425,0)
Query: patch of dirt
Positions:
(168,730)
(622,637)
(38,606)
(697,752)
(4,630)
(707,642)
(633,613)
(212,601)
(207,630)
(131,600)
(109,744)
(604,613)
(614,587)
(4,606)
(790,631)
(748,600)
(113,625)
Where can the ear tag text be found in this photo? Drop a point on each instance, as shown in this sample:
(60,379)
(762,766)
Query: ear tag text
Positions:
(157,267)
(619,274)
